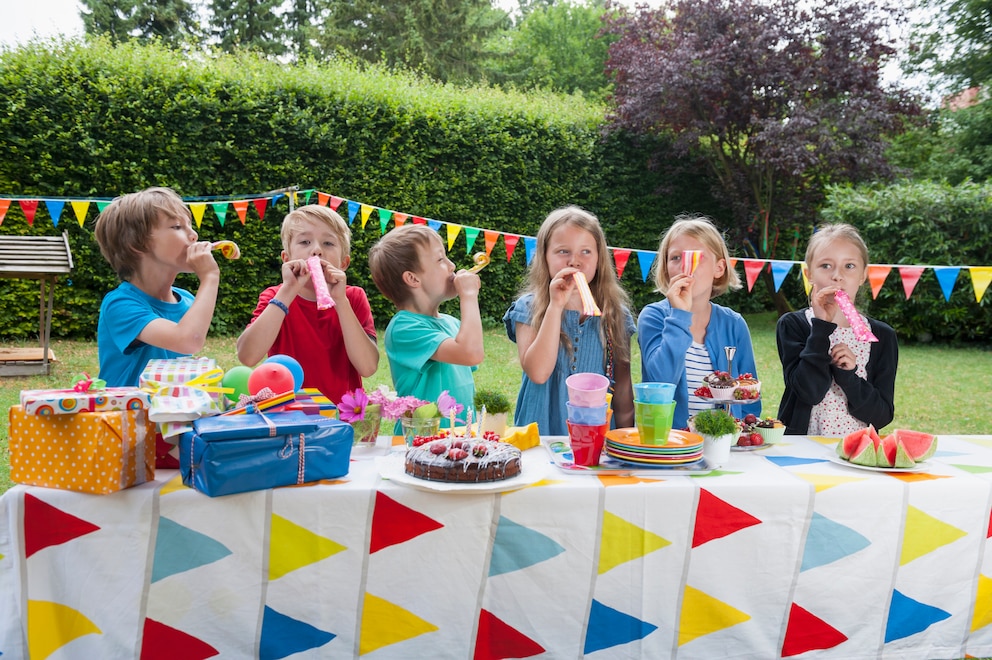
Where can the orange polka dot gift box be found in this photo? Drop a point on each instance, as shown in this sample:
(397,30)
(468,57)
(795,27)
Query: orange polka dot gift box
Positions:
(87,452)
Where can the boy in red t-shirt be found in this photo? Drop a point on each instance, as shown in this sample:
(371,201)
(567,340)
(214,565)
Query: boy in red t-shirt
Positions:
(336,346)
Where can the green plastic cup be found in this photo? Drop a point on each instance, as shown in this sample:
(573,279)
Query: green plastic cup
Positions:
(654,421)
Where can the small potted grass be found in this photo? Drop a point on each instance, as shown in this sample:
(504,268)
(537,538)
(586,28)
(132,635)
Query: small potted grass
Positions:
(719,430)
(497,410)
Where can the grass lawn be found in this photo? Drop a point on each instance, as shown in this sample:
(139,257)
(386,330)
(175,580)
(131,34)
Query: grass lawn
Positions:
(928,386)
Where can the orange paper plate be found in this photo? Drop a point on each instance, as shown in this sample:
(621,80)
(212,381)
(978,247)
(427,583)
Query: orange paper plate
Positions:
(676,439)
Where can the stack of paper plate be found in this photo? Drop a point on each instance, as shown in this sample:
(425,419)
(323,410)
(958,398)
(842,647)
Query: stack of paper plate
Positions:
(682,447)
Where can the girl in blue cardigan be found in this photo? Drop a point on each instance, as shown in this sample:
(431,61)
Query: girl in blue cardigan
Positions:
(682,337)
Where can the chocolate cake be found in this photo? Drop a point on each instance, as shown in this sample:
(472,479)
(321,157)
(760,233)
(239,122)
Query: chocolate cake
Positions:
(463,460)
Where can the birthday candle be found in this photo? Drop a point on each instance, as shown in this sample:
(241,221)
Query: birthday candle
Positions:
(229,249)
(324,300)
(589,306)
(690,260)
(861,330)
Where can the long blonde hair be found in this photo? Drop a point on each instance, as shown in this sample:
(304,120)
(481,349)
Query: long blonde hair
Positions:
(703,230)
(606,290)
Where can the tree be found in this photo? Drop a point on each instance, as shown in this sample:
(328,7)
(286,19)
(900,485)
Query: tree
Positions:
(776,100)
(172,21)
(248,25)
(556,47)
(442,38)
(114,19)
(954,42)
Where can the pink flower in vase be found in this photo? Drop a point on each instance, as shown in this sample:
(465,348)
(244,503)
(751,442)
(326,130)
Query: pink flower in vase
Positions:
(352,406)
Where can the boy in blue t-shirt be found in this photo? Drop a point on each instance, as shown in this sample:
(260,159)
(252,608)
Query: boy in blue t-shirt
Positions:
(428,352)
(148,239)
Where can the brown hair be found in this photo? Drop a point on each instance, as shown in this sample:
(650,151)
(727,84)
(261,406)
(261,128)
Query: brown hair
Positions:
(396,253)
(605,287)
(703,230)
(317,213)
(125,225)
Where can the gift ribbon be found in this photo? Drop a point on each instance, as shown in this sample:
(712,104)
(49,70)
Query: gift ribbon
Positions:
(206,382)
(264,399)
(287,451)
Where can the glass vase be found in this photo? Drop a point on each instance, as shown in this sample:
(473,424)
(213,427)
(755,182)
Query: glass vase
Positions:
(367,430)
(422,426)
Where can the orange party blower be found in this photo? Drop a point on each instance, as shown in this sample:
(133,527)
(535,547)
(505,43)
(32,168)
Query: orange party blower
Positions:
(589,306)
(690,260)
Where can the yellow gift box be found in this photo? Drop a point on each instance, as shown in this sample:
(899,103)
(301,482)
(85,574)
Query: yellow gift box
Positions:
(98,452)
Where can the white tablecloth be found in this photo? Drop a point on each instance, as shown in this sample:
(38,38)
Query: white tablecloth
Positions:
(781,553)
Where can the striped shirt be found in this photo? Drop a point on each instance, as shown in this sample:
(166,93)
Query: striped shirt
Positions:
(697,366)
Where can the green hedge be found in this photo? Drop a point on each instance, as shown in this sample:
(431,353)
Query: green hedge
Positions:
(932,224)
(92,120)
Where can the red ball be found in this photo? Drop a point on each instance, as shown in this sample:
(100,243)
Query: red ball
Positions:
(277,377)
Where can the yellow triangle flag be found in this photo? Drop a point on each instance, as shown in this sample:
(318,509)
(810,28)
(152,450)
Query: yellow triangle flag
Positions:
(980,278)
(822,482)
(53,625)
(806,284)
(622,541)
(80,208)
(983,604)
(453,230)
(292,547)
(366,212)
(198,210)
(384,623)
(702,614)
(924,534)
(172,485)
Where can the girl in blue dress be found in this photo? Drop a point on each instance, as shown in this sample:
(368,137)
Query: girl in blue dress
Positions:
(554,339)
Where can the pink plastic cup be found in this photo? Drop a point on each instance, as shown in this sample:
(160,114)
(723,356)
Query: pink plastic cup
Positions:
(587,390)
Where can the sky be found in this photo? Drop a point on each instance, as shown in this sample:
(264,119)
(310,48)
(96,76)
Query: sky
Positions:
(23,19)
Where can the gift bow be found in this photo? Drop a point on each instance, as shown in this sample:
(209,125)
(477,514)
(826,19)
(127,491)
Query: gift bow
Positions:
(245,400)
(206,382)
(83,383)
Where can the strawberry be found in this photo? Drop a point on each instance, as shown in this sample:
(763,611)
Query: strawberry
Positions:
(750,418)
(744,441)
(756,439)
(457,454)
(479,451)
(438,448)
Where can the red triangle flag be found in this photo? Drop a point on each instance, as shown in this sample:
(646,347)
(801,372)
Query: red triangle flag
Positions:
(497,640)
(336,202)
(394,523)
(29,206)
(260,205)
(806,632)
(323,198)
(510,240)
(490,236)
(162,642)
(620,257)
(417,220)
(910,276)
(716,519)
(45,525)
(752,268)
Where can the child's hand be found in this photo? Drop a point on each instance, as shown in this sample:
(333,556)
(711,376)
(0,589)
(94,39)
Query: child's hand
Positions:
(466,283)
(200,258)
(337,283)
(295,276)
(562,287)
(842,357)
(680,292)
(824,306)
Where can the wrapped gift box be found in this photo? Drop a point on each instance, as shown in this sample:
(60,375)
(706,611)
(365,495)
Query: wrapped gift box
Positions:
(312,402)
(225,455)
(183,389)
(98,452)
(65,402)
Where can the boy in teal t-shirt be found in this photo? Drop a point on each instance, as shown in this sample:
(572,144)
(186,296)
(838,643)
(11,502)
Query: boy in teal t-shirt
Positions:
(428,352)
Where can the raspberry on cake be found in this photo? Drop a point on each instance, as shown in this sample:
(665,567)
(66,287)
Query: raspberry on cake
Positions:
(463,460)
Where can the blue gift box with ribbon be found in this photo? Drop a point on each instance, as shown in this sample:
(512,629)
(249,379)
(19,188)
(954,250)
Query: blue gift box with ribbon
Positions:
(224,454)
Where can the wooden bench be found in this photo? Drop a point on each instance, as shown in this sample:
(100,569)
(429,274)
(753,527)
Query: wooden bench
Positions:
(34,257)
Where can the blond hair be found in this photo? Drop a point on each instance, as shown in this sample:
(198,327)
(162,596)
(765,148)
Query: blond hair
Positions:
(126,224)
(826,234)
(396,253)
(703,230)
(605,286)
(315,212)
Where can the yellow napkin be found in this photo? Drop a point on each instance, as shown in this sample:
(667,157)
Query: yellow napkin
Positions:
(522,437)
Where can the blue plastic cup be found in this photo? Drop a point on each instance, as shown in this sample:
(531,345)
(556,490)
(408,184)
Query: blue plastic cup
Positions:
(654,392)
(586,415)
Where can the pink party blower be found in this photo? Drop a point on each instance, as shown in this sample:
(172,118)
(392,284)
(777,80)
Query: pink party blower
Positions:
(324,300)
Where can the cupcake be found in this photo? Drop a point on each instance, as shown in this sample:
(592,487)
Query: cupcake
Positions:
(748,387)
(722,385)
(770,429)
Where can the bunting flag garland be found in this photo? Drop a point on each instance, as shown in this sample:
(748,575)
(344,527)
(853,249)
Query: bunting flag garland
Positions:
(980,276)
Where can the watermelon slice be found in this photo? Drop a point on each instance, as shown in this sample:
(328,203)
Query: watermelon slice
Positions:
(864,453)
(918,445)
(886,454)
(846,446)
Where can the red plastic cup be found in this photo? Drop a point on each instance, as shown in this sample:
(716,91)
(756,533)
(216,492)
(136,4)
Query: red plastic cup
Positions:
(587,442)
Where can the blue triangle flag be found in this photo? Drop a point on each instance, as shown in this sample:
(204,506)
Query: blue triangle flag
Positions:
(434,224)
(179,549)
(609,627)
(779,270)
(645,259)
(282,636)
(946,276)
(353,209)
(530,245)
(828,541)
(517,547)
(908,617)
(54,210)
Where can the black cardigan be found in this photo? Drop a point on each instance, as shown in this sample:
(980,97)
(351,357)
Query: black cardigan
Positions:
(804,350)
